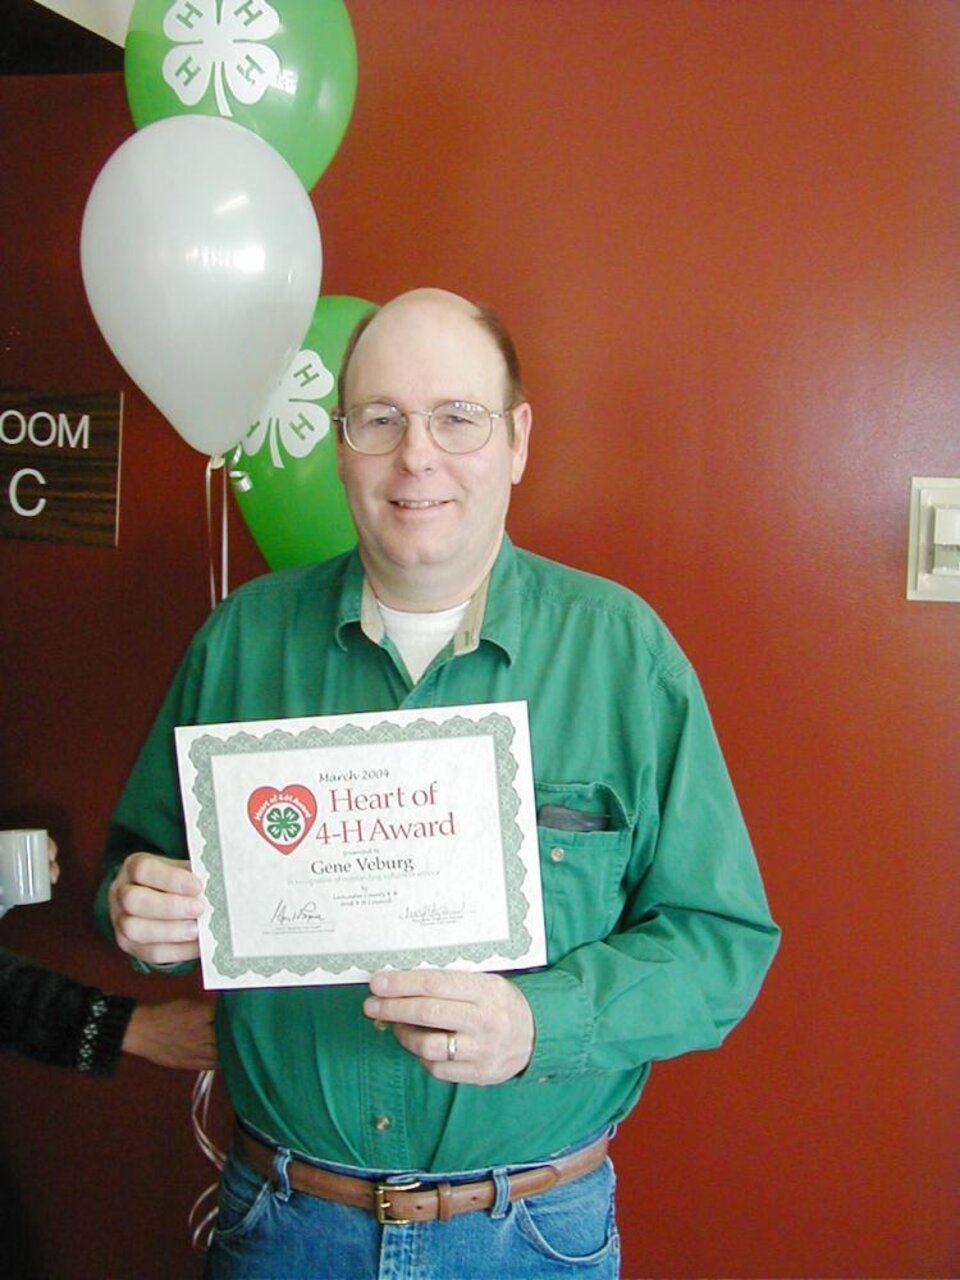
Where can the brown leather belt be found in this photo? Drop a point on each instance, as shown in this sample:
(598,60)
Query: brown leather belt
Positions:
(399,1205)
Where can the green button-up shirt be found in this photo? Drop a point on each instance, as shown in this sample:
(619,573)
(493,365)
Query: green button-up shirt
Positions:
(658,931)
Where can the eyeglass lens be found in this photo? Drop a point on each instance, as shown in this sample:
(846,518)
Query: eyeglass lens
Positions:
(458,426)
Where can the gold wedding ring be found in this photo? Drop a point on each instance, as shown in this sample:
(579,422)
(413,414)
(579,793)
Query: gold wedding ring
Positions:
(451,1045)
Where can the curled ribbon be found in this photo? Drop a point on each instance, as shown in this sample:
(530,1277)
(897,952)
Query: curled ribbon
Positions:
(201,1218)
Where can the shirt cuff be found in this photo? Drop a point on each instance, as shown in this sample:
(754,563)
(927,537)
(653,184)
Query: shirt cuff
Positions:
(564,1024)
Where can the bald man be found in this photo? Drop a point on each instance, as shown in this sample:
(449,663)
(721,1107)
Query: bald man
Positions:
(442,1123)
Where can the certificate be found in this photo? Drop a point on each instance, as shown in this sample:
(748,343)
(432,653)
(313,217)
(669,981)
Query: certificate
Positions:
(335,846)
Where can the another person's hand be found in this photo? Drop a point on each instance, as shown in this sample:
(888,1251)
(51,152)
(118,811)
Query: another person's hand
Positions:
(177,1033)
(154,905)
(52,857)
(54,869)
(485,1019)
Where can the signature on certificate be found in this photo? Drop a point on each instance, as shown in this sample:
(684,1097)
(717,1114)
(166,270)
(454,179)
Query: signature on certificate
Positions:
(434,913)
(305,915)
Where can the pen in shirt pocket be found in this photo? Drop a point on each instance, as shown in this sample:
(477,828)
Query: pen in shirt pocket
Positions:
(561,818)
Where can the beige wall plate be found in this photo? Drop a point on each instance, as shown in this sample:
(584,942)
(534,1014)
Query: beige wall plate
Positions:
(933,560)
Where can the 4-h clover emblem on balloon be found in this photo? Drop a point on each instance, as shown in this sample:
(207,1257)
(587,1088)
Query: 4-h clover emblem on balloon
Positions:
(286,69)
(294,420)
(283,472)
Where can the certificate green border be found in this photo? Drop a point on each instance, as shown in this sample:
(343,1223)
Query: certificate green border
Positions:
(493,725)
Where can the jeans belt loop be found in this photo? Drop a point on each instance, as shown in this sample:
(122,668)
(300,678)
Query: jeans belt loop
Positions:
(501,1180)
(281,1173)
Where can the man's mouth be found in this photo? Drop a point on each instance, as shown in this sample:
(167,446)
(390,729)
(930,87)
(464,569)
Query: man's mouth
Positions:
(418,504)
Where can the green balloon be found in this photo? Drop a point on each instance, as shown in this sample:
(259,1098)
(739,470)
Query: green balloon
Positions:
(283,473)
(286,69)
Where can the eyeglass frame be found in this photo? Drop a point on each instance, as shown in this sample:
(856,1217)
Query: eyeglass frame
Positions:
(340,418)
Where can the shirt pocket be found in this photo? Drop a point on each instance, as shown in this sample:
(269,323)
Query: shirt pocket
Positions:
(581,870)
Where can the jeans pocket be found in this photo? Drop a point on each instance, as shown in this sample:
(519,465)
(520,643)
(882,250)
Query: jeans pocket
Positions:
(243,1197)
(576,1223)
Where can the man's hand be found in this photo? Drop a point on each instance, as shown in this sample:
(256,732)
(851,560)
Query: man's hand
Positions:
(154,905)
(177,1033)
(489,1017)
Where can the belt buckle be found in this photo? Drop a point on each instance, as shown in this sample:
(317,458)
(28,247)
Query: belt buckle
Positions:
(381,1203)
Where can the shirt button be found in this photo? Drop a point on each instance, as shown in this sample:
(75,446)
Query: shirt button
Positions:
(557,854)
(543,1080)
(382,1124)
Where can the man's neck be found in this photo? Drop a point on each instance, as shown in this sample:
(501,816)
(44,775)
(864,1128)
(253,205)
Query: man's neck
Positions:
(423,589)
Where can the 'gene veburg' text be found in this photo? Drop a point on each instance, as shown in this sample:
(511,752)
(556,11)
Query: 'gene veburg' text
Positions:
(364,864)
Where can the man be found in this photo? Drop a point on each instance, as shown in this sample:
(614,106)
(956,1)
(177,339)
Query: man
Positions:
(658,931)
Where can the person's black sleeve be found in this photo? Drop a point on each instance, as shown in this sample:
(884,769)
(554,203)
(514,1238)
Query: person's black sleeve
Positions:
(52,1019)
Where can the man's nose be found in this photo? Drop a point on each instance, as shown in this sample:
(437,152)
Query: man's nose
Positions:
(417,450)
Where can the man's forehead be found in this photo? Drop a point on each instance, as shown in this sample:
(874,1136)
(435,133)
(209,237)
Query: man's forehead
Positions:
(427,326)
(420,307)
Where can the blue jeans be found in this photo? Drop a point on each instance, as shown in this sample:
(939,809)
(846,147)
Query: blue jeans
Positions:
(267,1231)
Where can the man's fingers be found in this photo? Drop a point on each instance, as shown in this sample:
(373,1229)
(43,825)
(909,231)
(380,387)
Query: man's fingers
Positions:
(421,1011)
(154,904)
(445,984)
(474,1028)
(168,875)
(434,1046)
(443,998)
(160,952)
(142,931)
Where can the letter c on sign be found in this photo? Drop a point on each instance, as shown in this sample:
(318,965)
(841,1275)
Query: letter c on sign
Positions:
(14,496)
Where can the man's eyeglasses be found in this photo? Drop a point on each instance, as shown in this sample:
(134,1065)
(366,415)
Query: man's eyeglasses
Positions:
(456,426)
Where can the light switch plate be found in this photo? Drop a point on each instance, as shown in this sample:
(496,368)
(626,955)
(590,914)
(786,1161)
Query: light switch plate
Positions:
(927,493)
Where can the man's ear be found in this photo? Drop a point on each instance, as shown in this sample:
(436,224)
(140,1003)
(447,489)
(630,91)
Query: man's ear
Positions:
(341,447)
(522,416)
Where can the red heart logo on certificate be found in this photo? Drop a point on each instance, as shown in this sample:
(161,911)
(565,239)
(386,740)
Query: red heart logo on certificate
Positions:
(282,817)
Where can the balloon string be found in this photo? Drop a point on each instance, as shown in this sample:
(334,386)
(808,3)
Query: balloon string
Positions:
(216,464)
(224,536)
(201,1227)
(201,1220)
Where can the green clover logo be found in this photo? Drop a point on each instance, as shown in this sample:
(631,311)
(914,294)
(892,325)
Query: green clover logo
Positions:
(293,417)
(226,47)
(283,823)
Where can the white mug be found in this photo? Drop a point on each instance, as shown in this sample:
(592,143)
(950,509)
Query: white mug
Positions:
(24,868)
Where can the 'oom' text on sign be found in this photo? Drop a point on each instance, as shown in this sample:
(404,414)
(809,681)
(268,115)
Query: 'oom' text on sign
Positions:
(60,466)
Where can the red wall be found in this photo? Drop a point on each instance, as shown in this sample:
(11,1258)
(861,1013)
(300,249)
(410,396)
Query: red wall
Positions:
(726,236)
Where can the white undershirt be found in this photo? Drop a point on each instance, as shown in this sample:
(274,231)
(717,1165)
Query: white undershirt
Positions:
(419,637)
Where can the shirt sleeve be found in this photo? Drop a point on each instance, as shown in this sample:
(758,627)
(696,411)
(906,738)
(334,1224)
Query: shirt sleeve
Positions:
(695,939)
(149,816)
(57,1021)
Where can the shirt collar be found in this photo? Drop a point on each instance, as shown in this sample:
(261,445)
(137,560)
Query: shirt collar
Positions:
(351,596)
(502,612)
(493,613)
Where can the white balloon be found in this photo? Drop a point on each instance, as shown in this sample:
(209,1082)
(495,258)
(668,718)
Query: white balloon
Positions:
(201,259)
